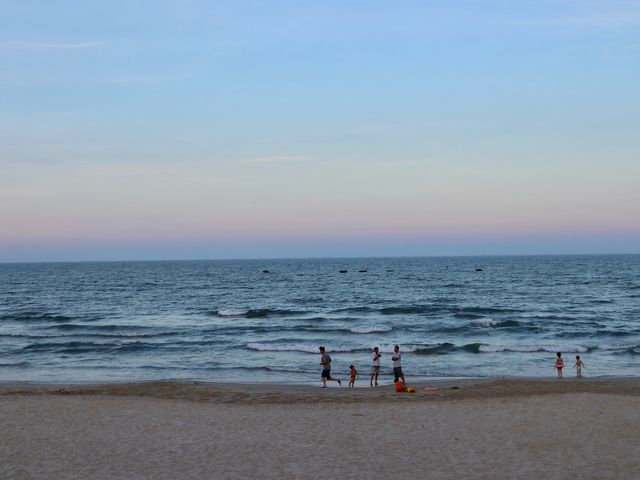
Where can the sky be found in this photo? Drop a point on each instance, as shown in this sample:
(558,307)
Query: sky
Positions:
(247,129)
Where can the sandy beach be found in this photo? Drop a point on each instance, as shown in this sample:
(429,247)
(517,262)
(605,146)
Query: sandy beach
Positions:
(463,429)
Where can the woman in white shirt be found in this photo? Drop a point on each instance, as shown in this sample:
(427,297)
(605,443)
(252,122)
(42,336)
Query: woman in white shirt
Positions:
(375,369)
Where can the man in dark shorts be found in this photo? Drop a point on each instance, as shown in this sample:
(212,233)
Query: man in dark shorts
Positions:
(325,361)
(396,357)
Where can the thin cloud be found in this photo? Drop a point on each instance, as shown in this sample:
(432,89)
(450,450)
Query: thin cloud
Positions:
(279,159)
(148,79)
(47,45)
(602,20)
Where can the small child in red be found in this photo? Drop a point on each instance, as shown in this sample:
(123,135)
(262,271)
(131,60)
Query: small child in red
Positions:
(352,375)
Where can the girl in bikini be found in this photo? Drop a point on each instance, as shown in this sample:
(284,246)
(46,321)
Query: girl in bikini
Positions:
(559,364)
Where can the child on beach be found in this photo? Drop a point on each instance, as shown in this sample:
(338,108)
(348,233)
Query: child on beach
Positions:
(559,364)
(353,373)
(579,366)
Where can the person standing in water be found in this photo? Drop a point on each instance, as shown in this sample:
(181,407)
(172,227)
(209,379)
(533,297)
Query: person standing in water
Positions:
(325,361)
(375,368)
(396,357)
(559,364)
(579,366)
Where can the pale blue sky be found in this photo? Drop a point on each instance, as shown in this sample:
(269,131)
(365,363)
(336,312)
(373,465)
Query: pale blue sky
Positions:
(186,129)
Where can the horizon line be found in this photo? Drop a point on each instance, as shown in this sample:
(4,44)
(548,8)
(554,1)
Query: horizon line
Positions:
(3,262)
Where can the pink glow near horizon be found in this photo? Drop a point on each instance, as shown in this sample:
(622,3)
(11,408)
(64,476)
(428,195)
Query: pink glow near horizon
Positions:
(449,123)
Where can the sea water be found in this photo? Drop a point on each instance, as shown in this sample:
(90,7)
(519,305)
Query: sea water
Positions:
(263,320)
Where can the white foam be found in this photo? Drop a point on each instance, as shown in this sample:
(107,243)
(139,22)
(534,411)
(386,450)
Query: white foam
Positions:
(313,348)
(487,322)
(532,348)
(616,347)
(375,329)
(232,313)
(294,347)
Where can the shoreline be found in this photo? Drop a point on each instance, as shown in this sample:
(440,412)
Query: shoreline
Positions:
(314,382)
(311,393)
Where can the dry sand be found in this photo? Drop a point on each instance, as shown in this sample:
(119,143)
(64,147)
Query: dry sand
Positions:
(482,429)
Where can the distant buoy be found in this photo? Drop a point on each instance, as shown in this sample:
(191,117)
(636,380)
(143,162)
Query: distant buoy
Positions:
(266,271)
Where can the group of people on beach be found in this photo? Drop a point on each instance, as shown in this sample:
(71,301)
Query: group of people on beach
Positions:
(396,358)
(579,365)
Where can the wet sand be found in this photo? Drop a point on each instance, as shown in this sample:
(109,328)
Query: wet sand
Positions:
(462,429)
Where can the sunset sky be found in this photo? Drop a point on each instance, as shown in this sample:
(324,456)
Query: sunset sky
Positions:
(216,129)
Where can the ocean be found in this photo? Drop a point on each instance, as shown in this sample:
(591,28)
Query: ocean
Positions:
(263,320)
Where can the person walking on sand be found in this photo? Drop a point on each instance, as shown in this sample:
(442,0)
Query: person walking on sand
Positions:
(559,364)
(325,361)
(375,368)
(579,366)
(396,358)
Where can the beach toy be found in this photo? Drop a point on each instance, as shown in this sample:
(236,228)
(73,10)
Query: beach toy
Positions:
(409,389)
(399,386)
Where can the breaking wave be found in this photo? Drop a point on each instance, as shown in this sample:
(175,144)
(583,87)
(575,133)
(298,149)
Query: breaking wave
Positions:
(488,322)
(533,348)
(256,312)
